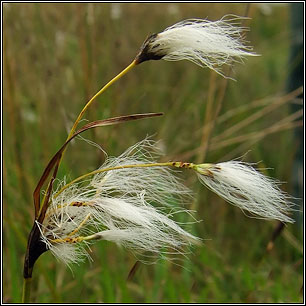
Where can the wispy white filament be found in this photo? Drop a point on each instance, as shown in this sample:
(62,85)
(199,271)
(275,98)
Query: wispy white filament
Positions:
(134,207)
(126,206)
(241,185)
(205,43)
(160,184)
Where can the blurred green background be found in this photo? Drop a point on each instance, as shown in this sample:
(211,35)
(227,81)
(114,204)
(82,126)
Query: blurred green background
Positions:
(57,56)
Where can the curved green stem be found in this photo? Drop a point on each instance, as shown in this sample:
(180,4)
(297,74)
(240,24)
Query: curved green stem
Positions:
(26,291)
(112,81)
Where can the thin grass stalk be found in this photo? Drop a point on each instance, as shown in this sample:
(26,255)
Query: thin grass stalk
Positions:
(262,112)
(248,143)
(210,118)
(282,125)
(111,82)
(147,165)
(239,150)
(80,116)
(258,103)
(85,48)
(26,291)
(250,138)
(273,129)
(293,241)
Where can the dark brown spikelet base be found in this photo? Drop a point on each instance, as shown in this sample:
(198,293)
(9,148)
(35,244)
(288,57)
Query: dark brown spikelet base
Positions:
(146,52)
(35,248)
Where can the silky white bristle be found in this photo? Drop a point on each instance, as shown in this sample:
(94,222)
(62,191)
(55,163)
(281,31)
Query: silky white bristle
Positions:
(206,43)
(241,185)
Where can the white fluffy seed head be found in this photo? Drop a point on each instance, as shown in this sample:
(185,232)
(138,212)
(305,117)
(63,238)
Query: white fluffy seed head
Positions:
(241,185)
(206,43)
(131,207)
(159,184)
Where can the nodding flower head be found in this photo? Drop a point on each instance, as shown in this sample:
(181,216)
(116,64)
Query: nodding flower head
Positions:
(205,43)
(131,207)
(241,185)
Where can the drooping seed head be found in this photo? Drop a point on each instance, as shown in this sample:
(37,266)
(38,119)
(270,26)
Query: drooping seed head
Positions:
(241,185)
(206,43)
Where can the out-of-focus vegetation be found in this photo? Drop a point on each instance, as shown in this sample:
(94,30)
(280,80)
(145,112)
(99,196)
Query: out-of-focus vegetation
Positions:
(56,56)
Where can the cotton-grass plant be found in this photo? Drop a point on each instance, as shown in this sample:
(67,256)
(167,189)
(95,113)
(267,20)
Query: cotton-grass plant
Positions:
(132,199)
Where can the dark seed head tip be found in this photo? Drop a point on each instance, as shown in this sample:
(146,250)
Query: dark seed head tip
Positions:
(146,53)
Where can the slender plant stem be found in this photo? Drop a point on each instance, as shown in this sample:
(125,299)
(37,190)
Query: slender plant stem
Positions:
(112,81)
(26,291)
(166,164)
